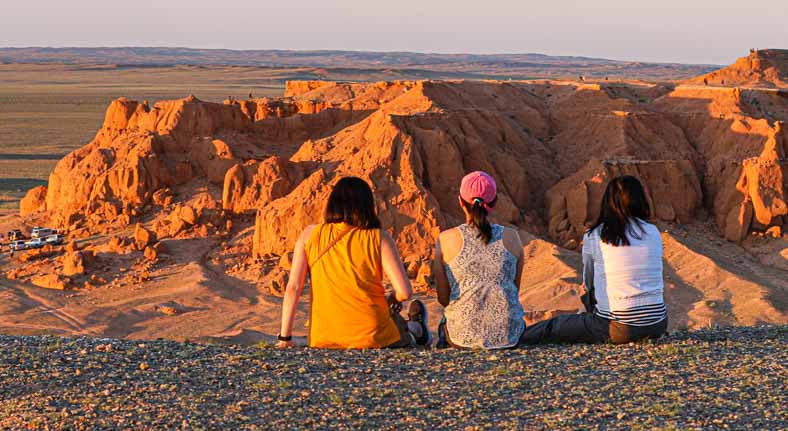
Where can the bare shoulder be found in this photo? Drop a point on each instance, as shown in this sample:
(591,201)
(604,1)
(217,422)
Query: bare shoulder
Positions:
(307,233)
(450,242)
(450,236)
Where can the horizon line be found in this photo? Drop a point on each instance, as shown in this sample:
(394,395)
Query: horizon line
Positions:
(324,50)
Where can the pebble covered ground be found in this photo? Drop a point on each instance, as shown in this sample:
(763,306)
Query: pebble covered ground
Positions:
(722,378)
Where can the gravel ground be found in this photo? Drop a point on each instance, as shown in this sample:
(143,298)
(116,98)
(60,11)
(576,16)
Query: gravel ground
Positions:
(724,378)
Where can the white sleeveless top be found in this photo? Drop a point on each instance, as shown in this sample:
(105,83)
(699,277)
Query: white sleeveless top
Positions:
(484,308)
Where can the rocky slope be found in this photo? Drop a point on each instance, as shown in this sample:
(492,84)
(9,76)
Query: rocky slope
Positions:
(762,68)
(244,177)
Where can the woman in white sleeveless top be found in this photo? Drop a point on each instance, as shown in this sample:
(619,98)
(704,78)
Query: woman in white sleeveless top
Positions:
(622,272)
(477,270)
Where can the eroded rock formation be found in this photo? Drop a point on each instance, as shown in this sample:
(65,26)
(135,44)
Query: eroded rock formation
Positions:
(767,67)
(672,189)
(34,201)
(551,145)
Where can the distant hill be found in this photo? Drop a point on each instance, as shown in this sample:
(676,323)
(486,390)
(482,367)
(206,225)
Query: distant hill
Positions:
(496,66)
(762,68)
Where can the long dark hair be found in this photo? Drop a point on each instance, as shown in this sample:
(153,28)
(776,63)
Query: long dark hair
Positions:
(351,202)
(479,217)
(624,206)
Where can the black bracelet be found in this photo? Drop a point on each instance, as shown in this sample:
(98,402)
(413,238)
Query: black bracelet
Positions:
(281,338)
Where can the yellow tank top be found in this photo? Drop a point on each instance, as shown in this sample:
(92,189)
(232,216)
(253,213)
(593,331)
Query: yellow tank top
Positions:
(349,308)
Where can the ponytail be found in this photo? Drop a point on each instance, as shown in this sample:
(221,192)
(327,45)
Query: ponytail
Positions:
(478,213)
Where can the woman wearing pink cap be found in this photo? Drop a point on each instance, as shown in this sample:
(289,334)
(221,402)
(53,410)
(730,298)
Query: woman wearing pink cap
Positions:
(477,270)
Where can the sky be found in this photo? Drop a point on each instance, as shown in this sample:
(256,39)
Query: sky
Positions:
(686,31)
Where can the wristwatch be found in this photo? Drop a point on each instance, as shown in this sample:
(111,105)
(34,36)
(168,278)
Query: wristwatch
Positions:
(281,338)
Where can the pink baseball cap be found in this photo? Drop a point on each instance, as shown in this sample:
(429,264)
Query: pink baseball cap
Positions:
(478,185)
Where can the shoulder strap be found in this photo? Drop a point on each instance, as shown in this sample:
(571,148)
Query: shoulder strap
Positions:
(330,246)
(497,232)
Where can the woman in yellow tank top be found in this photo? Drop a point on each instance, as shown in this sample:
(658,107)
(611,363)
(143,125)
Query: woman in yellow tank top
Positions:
(346,258)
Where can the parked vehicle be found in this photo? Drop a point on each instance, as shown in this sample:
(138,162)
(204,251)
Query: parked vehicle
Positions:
(41,232)
(54,239)
(35,243)
(18,245)
(15,234)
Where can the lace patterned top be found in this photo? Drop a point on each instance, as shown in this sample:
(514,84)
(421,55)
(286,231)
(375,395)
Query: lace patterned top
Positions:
(484,308)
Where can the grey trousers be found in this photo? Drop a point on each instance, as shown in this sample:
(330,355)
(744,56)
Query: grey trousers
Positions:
(588,328)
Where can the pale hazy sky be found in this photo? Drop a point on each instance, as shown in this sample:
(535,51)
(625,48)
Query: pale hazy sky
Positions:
(689,31)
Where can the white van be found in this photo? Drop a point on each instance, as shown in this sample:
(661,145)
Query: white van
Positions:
(35,243)
(41,232)
(18,245)
(54,239)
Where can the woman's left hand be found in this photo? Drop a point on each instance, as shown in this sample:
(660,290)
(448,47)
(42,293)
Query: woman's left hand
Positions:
(394,304)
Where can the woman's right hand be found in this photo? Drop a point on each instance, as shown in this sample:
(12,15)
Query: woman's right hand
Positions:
(285,344)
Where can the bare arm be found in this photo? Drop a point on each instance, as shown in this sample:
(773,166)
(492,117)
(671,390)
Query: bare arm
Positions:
(441,280)
(520,262)
(295,285)
(514,245)
(393,268)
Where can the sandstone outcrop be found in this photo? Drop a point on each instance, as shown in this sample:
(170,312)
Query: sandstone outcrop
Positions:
(192,166)
(143,237)
(767,68)
(50,281)
(253,185)
(151,254)
(672,189)
(76,263)
(34,201)
(754,193)
(38,253)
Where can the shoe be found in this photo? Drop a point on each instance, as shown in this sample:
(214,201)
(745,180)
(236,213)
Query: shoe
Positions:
(417,312)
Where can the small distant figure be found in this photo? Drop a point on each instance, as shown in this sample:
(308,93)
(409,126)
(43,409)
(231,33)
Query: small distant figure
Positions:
(250,95)
(705,81)
(606,78)
(723,82)
(582,78)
